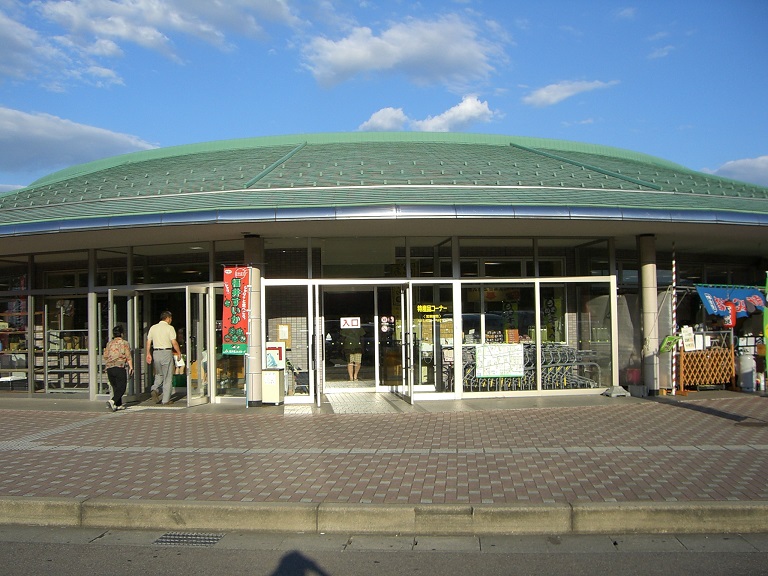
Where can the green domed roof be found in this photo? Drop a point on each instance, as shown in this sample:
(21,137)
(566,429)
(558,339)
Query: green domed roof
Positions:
(368,170)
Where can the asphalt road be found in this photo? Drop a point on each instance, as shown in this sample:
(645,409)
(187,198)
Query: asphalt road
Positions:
(28,551)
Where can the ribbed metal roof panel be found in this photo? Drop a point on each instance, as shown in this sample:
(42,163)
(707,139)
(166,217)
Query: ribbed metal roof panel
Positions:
(381,175)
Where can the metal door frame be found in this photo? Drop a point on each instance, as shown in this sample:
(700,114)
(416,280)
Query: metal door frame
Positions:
(317,320)
(137,297)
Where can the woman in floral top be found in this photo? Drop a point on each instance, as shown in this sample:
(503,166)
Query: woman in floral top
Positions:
(117,355)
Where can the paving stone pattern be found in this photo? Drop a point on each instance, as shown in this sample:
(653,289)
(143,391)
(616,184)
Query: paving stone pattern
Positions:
(698,450)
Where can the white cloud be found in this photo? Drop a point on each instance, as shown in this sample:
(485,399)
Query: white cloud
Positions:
(583,122)
(387,119)
(34,142)
(658,36)
(446,51)
(9,187)
(554,93)
(148,23)
(469,111)
(752,170)
(24,52)
(69,37)
(628,13)
(662,52)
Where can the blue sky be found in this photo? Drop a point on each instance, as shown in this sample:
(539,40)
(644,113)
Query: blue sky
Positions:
(683,80)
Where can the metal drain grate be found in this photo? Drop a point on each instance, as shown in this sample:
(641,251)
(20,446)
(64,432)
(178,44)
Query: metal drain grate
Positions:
(188,539)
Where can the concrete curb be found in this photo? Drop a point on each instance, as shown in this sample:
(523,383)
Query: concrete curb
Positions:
(40,511)
(670,517)
(586,518)
(195,515)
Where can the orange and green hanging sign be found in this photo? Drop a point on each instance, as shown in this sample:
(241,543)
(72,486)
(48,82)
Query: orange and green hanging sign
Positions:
(234,319)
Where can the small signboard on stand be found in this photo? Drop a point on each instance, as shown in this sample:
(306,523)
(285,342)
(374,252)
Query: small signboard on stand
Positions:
(273,375)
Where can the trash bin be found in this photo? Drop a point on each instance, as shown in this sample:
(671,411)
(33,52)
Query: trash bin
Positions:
(746,363)
(272,386)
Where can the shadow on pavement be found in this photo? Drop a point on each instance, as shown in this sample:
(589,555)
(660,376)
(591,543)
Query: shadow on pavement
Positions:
(738,419)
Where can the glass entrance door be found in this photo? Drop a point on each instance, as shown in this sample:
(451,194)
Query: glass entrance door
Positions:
(193,320)
(364,339)
(122,311)
(195,347)
(394,354)
(349,338)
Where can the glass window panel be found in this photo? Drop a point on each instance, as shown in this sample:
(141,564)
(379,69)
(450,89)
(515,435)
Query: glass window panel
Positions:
(227,253)
(550,268)
(433,349)
(13,323)
(286,257)
(588,332)
(663,277)
(14,343)
(717,275)
(286,321)
(171,263)
(469,268)
(230,369)
(13,274)
(446,269)
(66,343)
(62,270)
(498,322)
(688,274)
(499,325)
(552,313)
(592,259)
(361,257)
(111,265)
(556,256)
(629,276)
(745,276)
(599,267)
(430,257)
(503,269)
(490,248)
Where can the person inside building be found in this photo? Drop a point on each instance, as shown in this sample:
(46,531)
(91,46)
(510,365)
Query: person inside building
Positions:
(352,345)
(163,350)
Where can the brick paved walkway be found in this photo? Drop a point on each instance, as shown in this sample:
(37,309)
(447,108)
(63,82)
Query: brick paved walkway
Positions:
(700,448)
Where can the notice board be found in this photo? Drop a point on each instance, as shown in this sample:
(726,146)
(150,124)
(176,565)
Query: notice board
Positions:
(499,360)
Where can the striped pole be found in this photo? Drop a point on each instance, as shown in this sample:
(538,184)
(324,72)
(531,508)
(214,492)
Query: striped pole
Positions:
(674,317)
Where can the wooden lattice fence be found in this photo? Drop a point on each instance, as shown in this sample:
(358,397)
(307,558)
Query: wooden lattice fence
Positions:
(713,366)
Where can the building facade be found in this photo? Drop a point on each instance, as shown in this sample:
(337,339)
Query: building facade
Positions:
(464,265)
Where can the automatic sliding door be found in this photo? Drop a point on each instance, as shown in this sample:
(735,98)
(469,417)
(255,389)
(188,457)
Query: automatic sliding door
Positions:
(196,346)
(122,311)
(349,333)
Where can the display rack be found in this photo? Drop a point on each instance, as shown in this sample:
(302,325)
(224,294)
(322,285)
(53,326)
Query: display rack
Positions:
(66,360)
(14,352)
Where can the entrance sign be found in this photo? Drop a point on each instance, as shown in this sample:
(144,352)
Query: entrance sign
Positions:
(234,319)
(350,322)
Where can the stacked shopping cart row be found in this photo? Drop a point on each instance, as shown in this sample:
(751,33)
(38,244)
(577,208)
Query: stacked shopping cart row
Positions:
(562,367)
